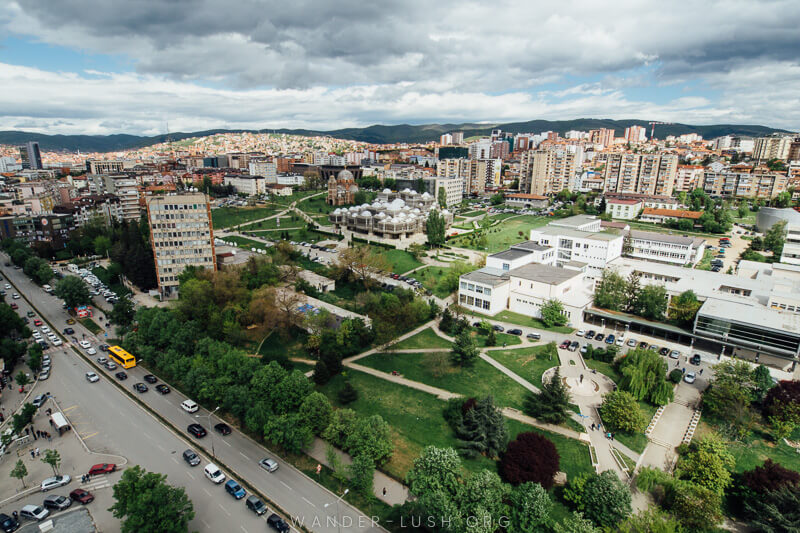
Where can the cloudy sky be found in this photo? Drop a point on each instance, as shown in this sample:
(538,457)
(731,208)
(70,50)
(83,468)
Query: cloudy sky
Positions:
(122,66)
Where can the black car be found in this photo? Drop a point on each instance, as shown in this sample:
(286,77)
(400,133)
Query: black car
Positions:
(695,359)
(599,337)
(150,378)
(122,376)
(642,345)
(255,505)
(277,523)
(44,345)
(140,387)
(190,457)
(223,429)
(590,334)
(498,327)
(69,331)
(663,351)
(163,389)
(476,324)
(514,332)
(8,524)
(197,430)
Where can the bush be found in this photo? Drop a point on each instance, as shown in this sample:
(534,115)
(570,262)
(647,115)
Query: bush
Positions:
(347,394)
(675,376)
(530,457)
(606,500)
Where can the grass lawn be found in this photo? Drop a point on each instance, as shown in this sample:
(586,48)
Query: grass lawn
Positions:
(705,262)
(243,242)
(658,228)
(303,235)
(315,206)
(502,216)
(436,370)
(749,219)
(522,320)
(470,214)
(416,420)
(500,338)
(91,325)
(400,260)
(528,362)
(225,217)
(637,441)
(607,369)
(458,218)
(272,223)
(426,338)
(503,235)
(276,348)
(430,277)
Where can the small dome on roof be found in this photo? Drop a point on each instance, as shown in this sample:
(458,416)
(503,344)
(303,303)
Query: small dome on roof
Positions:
(366,214)
(396,204)
(386,191)
(426,195)
(344,175)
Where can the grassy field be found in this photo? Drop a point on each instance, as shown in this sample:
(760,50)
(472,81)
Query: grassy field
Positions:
(399,260)
(658,228)
(500,338)
(528,362)
(749,219)
(272,223)
(244,242)
(637,441)
(503,235)
(226,217)
(522,320)
(426,338)
(705,262)
(430,277)
(315,206)
(416,420)
(436,370)
(607,369)
(470,214)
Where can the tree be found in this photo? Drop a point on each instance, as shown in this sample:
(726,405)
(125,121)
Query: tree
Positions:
(762,381)
(123,312)
(340,427)
(289,431)
(644,375)
(73,291)
(621,412)
(768,477)
(19,472)
(530,457)
(317,412)
(464,352)
(775,512)
(491,338)
(22,418)
(708,464)
(35,357)
(652,302)
(482,429)
(683,308)
(441,196)
(359,263)
(435,229)
(22,379)
(551,404)
(782,402)
(435,470)
(553,313)
(650,521)
(575,523)
(446,322)
(606,500)
(611,291)
(496,199)
(633,288)
(775,237)
(145,502)
(102,245)
(530,508)
(730,395)
(52,458)
(698,508)
(362,471)
(347,394)
(371,436)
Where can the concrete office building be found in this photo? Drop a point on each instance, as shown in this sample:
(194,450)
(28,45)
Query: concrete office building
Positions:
(522,254)
(533,201)
(97,166)
(266,169)
(249,185)
(791,247)
(546,172)
(31,156)
(623,208)
(664,248)
(651,174)
(181,235)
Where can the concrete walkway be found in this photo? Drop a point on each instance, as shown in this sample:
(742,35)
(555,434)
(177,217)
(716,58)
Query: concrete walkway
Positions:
(386,347)
(670,429)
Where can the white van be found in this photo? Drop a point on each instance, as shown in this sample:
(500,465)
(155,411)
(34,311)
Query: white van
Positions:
(189,406)
(72,267)
(47,288)
(213,473)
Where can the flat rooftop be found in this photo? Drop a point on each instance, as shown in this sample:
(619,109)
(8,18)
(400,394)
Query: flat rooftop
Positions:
(544,273)
(530,246)
(556,231)
(685,240)
(487,276)
(752,314)
(575,221)
(511,255)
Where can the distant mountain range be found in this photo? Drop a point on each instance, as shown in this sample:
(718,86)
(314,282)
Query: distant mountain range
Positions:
(380,134)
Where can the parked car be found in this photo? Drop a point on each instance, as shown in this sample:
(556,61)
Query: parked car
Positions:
(573,346)
(8,524)
(533,336)
(590,334)
(599,337)
(632,343)
(663,351)
(140,387)
(37,322)
(255,505)
(191,457)
(277,523)
(91,377)
(642,345)
(690,377)
(59,503)
(695,360)
(197,430)
(102,468)
(564,345)
(580,333)
(39,400)
(268,464)
(514,332)
(81,496)
(162,389)
(674,354)
(34,512)
(235,490)
(498,327)
(611,339)
(55,482)
(84,344)
(654,348)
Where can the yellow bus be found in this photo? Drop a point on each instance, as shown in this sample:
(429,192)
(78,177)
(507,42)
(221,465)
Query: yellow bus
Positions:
(121,357)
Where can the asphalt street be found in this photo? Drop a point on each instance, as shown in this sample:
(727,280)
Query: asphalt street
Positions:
(113,423)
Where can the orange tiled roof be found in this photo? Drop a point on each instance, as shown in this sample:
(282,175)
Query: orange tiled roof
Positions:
(523,196)
(673,213)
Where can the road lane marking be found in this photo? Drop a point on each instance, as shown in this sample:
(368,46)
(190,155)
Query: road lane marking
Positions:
(90,435)
(146,434)
(308,502)
(226,511)
(226,442)
(69,408)
(205,523)
(243,455)
(243,529)
(285,485)
(189,474)
(206,491)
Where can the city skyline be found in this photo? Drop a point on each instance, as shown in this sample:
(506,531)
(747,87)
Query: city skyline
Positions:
(79,68)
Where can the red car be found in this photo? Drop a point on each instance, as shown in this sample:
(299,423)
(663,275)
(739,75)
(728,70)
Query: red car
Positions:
(37,322)
(82,496)
(564,345)
(14,306)
(102,468)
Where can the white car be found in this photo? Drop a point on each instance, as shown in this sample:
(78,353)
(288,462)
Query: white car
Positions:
(55,482)
(45,329)
(213,473)
(268,464)
(91,351)
(189,406)
(690,377)
(581,332)
(34,512)
(36,335)
(620,341)
(7,286)
(44,374)
(57,342)
(85,344)
(91,377)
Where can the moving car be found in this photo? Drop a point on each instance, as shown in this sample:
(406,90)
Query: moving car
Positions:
(515,332)
(222,428)
(255,505)
(690,377)
(191,457)
(81,496)
(122,376)
(277,523)
(102,468)
(111,365)
(140,387)
(150,378)
(268,464)
(498,327)
(235,490)
(69,331)
(57,502)
(91,351)
(213,473)
(189,406)
(533,336)
(162,389)
(34,512)
(55,482)
(91,377)
(573,346)
(197,430)
(84,344)
(70,321)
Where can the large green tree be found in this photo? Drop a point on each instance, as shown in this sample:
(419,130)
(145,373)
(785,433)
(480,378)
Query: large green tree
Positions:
(73,291)
(652,302)
(606,500)
(553,313)
(708,463)
(730,396)
(644,375)
(146,503)
(464,351)
(611,291)
(123,312)
(435,228)
(621,412)
(775,511)
(683,308)
(435,470)
(551,403)
(482,430)
(530,507)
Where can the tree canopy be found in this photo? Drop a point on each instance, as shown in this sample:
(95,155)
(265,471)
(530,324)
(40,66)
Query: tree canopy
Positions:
(145,502)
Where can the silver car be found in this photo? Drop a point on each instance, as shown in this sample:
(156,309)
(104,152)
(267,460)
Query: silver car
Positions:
(270,465)
(59,503)
(55,482)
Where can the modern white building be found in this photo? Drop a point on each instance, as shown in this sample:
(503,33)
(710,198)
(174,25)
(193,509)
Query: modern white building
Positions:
(244,184)
(522,254)
(791,247)
(624,209)
(664,248)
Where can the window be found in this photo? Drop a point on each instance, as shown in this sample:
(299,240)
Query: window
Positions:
(506,266)
(487,291)
(486,304)
(463,284)
(471,286)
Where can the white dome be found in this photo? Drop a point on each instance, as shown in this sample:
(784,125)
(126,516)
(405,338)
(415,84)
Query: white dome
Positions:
(396,204)
(366,214)
(406,190)
(426,195)
(344,175)
(337,211)
(386,191)
(363,206)
(416,211)
(381,215)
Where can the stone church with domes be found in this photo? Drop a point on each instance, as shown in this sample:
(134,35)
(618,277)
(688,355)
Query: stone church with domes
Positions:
(342,189)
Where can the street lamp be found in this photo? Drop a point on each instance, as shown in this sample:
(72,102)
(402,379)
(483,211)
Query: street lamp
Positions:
(213,454)
(338,522)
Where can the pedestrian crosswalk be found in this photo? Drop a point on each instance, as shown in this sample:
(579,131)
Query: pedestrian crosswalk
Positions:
(96,484)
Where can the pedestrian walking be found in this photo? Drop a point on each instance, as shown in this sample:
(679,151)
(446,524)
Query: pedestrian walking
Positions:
(384,491)
(33,456)
(37,452)
(701,371)
(14,514)
(592,426)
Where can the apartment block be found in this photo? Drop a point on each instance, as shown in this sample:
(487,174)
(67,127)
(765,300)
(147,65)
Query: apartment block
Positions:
(743,185)
(181,235)
(688,178)
(249,185)
(773,147)
(652,174)
(635,134)
(544,172)
(624,209)
(97,166)
(265,169)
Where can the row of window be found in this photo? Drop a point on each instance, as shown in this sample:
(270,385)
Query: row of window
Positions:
(185,261)
(535,305)
(476,302)
(476,288)
(175,207)
(785,307)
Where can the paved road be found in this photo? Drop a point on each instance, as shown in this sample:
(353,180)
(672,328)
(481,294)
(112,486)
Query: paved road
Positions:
(125,428)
